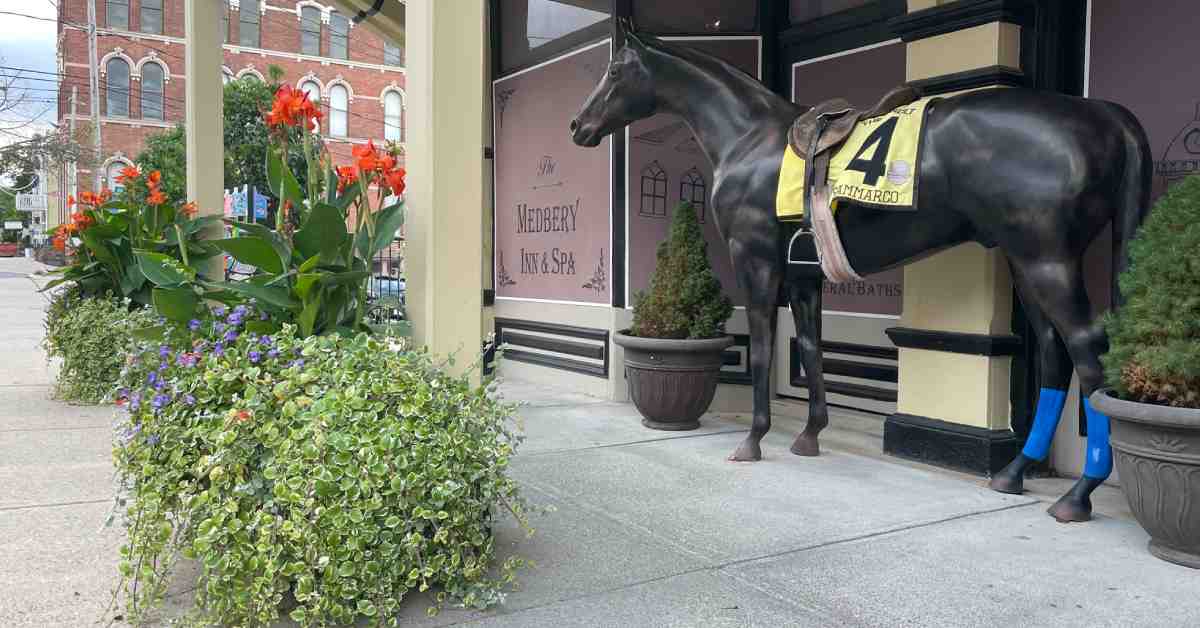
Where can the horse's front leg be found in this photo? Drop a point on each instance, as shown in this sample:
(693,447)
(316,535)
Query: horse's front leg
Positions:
(805,299)
(760,276)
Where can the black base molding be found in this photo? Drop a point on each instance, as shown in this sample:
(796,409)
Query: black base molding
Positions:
(991,76)
(953,341)
(941,443)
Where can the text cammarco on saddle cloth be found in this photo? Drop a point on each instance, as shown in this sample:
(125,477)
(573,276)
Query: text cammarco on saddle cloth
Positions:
(876,166)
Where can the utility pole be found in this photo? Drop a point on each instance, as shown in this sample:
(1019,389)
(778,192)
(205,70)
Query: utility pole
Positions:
(94,98)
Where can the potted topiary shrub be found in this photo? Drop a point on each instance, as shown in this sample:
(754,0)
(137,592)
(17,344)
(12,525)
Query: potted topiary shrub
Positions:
(1153,368)
(673,350)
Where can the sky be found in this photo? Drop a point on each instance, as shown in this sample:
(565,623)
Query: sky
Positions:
(28,43)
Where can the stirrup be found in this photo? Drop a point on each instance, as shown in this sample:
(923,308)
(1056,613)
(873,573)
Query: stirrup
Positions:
(816,259)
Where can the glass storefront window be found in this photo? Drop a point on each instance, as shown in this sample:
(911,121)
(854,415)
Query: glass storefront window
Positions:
(696,16)
(534,30)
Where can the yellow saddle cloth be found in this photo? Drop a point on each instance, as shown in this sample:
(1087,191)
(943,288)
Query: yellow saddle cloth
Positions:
(876,166)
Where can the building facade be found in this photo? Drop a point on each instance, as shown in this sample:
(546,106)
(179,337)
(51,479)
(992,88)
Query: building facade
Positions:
(358,76)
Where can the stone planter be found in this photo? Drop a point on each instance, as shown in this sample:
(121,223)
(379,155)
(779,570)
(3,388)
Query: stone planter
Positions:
(1157,452)
(672,382)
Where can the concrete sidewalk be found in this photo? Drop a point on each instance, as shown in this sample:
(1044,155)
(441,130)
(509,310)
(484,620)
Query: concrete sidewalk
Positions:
(647,529)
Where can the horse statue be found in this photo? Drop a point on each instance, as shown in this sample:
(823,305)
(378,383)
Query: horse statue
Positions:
(1037,174)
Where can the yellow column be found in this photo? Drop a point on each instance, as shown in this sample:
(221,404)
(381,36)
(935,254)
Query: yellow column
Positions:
(965,290)
(204,121)
(446,46)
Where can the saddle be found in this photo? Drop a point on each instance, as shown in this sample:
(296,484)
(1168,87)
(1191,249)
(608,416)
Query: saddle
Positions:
(814,136)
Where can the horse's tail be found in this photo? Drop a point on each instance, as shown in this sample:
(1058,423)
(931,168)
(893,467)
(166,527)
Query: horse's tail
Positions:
(1133,200)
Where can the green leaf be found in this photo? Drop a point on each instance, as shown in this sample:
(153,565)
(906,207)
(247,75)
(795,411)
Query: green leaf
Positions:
(253,251)
(274,296)
(177,304)
(96,245)
(341,279)
(387,223)
(322,233)
(282,182)
(163,270)
(278,243)
(308,317)
(305,282)
(149,333)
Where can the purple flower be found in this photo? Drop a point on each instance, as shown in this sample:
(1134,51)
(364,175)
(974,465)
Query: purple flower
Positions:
(151,378)
(194,324)
(240,310)
(219,349)
(234,319)
(153,439)
(159,401)
(160,384)
(218,327)
(164,351)
(162,366)
(273,353)
(231,335)
(262,316)
(219,310)
(266,341)
(189,400)
(299,362)
(255,357)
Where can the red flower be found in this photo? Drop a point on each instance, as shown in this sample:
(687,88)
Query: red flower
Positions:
(292,107)
(395,180)
(386,163)
(156,197)
(188,210)
(346,177)
(153,179)
(367,158)
(70,201)
(128,175)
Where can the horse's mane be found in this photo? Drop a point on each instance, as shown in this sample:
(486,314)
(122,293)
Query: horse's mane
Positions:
(710,63)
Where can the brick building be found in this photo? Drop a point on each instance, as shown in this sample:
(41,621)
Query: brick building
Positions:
(140,45)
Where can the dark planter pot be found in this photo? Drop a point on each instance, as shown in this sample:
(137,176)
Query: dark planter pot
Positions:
(672,382)
(1157,452)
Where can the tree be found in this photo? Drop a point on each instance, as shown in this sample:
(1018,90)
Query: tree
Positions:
(245,103)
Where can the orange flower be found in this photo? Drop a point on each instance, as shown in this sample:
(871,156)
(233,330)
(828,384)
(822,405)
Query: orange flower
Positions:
(346,177)
(70,201)
(105,196)
(153,179)
(60,242)
(188,210)
(292,107)
(386,163)
(128,175)
(395,180)
(244,415)
(156,197)
(367,158)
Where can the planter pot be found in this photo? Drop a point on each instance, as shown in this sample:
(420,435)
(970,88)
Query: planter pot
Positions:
(672,382)
(1157,452)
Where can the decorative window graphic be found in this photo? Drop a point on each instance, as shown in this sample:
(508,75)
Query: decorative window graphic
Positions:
(654,191)
(693,189)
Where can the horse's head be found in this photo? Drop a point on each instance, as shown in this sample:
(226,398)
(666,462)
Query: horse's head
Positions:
(624,95)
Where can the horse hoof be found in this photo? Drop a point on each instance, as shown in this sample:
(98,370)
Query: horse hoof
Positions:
(806,446)
(1069,509)
(1007,483)
(748,451)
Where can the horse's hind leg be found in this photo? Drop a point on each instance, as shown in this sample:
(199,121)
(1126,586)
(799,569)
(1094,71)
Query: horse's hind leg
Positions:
(805,300)
(761,279)
(1058,287)
(1054,375)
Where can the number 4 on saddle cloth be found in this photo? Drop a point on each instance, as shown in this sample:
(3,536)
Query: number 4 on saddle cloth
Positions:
(839,156)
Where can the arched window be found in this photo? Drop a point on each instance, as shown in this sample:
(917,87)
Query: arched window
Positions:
(117,87)
(151,15)
(112,172)
(313,90)
(152,91)
(692,189)
(339,110)
(310,31)
(339,36)
(393,105)
(116,13)
(654,191)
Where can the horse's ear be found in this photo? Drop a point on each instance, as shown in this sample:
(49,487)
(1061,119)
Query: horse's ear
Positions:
(626,29)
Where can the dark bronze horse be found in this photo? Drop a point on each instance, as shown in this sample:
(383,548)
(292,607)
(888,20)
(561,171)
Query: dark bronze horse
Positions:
(1037,174)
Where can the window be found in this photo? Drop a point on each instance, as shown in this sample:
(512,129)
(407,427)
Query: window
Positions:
(393,105)
(116,13)
(151,21)
(313,90)
(117,87)
(654,191)
(692,189)
(699,16)
(536,30)
(310,31)
(339,110)
(111,173)
(248,17)
(339,36)
(152,91)
(392,55)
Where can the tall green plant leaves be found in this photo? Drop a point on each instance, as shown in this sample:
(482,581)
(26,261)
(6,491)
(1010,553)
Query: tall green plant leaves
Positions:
(254,251)
(282,182)
(322,233)
(162,270)
(177,304)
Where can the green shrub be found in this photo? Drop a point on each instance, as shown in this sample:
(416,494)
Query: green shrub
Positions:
(1154,338)
(90,335)
(685,298)
(335,473)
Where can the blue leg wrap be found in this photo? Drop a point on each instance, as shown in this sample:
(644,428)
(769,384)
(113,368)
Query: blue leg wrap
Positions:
(1045,422)
(1099,452)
